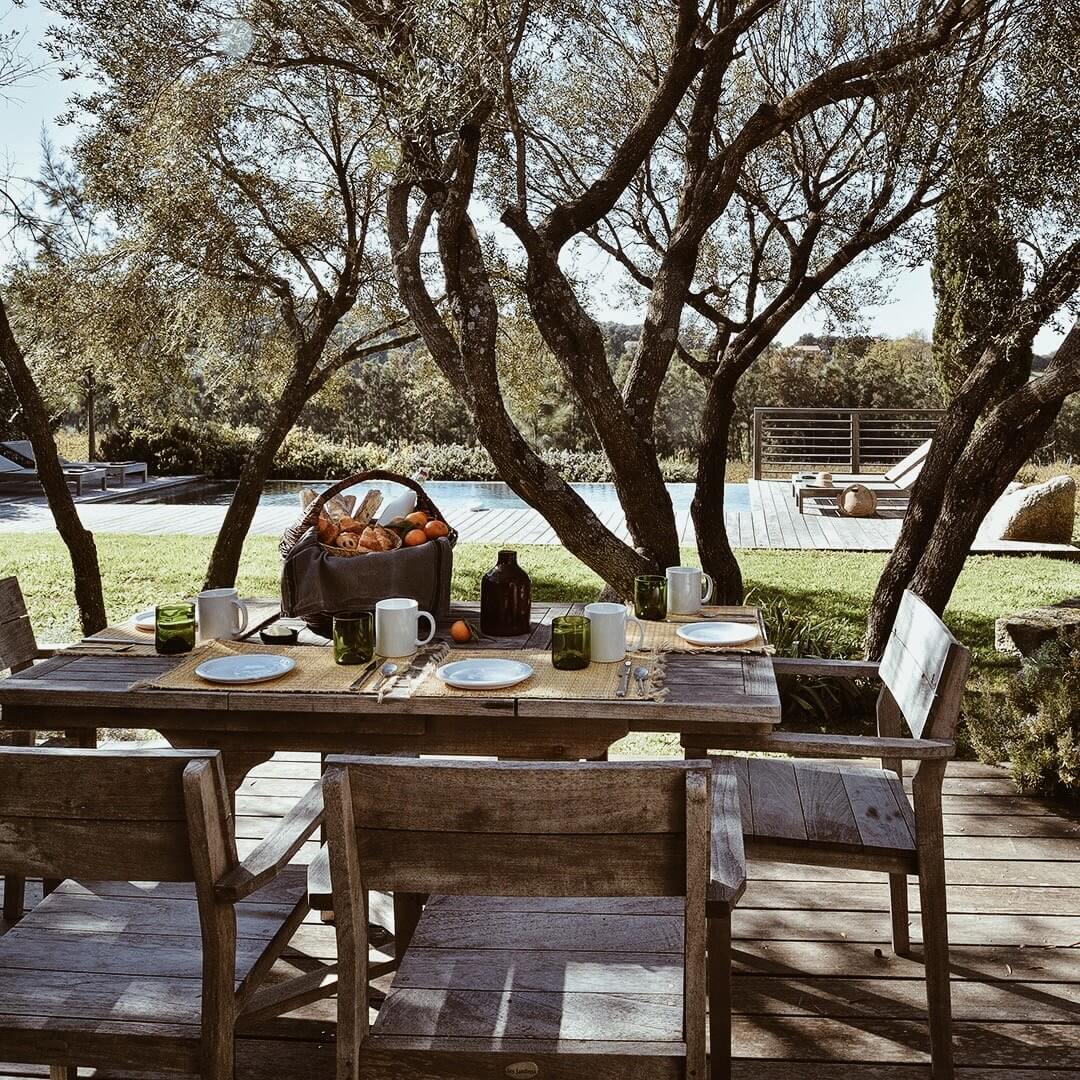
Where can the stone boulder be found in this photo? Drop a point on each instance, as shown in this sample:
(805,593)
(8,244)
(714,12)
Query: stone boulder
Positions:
(1041,512)
(1023,633)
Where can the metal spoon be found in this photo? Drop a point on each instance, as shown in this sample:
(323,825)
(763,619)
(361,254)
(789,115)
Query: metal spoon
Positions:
(387,671)
(640,675)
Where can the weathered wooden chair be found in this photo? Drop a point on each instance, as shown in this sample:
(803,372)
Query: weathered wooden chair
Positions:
(511,967)
(78,986)
(858,817)
(18,650)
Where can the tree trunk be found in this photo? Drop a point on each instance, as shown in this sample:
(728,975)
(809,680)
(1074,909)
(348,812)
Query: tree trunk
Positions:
(623,426)
(928,493)
(79,541)
(229,545)
(967,484)
(707,509)
(984,471)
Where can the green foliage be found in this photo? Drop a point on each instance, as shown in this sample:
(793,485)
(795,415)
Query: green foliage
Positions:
(855,372)
(219,451)
(798,631)
(977,274)
(1035,724)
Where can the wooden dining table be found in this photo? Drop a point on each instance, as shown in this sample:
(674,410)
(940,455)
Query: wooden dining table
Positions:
(710,698)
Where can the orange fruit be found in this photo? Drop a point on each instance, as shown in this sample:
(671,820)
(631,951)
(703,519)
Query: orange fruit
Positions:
(461,632)
(435,528)
(417,518)
(415,537)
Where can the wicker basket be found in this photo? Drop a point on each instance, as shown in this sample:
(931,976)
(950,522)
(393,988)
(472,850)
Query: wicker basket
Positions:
(318,581)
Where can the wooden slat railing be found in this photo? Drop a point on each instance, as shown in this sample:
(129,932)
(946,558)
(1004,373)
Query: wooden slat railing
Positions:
(837,440)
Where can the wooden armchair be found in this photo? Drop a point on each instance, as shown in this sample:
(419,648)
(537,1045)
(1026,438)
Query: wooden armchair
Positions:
(858,817)
(18,651)
(511,966)
(80,985)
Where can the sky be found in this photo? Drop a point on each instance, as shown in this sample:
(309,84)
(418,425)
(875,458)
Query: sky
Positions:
(31,109)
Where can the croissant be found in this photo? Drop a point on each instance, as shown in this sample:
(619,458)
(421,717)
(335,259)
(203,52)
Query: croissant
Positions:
(348,524)
(328,531)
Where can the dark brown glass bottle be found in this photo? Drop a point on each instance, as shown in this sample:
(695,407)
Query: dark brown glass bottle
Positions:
(505,598)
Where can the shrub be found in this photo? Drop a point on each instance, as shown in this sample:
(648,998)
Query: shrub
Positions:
(825,702)
(219,451)
(1035,724)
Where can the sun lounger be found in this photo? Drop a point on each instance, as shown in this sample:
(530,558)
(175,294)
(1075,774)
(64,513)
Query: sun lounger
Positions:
(21,451)
(77,476)
(893,486)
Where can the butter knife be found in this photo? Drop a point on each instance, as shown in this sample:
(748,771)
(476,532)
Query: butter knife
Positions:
(624,679)
(364,675)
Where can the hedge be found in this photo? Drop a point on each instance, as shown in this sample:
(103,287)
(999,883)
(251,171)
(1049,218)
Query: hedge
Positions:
(219,452)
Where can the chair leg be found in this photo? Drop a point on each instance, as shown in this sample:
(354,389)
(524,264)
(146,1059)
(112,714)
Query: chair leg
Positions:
(898,910)
(926,788)
(719,960)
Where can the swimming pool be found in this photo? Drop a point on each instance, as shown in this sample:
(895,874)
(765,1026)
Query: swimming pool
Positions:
(450,496)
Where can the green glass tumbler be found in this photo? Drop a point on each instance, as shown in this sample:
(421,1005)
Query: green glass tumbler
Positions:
(650,597)
(570,642)
(174,628)
(354,638)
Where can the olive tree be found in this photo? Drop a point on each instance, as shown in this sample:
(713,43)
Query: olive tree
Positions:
(35,417)
(255,192)
(552,119)
(1000,412)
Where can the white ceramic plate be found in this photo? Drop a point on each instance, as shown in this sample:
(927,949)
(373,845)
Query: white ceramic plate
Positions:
(147,620)
(484,674)
(717,633)
(251,668)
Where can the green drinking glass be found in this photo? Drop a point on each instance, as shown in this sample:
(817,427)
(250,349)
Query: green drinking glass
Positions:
(570,642)
(174,628)
(650,597)
(354,638)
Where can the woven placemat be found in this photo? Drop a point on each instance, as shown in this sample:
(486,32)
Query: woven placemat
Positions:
(315,671)
(597,681)
(663,637)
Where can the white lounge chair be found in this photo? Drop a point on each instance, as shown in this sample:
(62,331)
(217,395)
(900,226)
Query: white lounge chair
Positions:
(76,476)
(22,452)
(893,486)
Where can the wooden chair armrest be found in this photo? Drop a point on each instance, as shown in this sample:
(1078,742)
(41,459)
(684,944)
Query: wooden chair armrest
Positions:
(274,853)
(834,669)
(854,746)
(727,859)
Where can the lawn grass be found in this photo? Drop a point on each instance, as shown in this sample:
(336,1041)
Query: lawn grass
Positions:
(141,570)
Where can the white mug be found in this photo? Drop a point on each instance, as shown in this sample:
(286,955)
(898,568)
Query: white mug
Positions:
(687,589)
(220,614)
(397,627)
(607,632)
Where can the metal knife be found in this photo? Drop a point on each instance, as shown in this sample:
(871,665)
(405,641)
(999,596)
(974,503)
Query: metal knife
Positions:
(364,675)
(624,679)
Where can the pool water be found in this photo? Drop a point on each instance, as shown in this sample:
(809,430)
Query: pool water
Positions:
(450,496)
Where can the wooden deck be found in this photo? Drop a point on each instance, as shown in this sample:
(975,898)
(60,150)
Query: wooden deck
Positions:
(772,522)
(817,992)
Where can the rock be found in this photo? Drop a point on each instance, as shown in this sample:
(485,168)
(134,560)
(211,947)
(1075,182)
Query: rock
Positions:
(1023,633)
(1042,512)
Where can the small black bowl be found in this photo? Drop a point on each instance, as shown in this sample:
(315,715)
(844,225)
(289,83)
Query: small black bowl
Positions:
(279,634)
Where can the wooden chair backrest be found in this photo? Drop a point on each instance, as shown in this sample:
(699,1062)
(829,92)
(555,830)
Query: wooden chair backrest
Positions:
(113,815)
(905,471)
(523,828)
(924,668)
(18,646)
